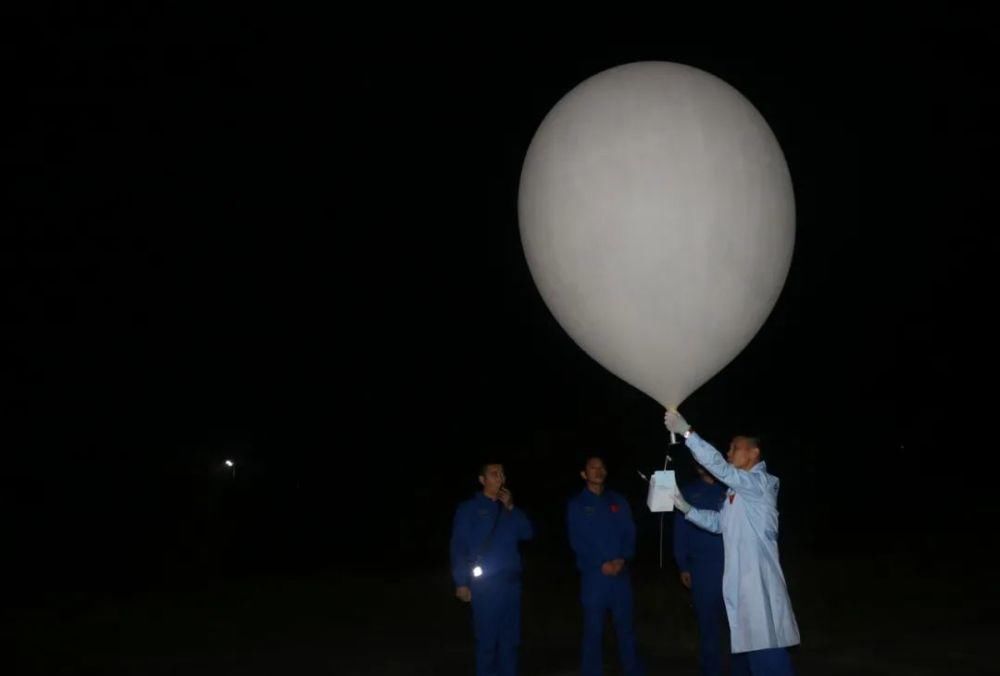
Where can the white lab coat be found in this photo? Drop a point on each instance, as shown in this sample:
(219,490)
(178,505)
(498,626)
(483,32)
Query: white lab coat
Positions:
(753,586)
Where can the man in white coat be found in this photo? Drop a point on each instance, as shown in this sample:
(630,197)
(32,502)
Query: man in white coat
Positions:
(761,622)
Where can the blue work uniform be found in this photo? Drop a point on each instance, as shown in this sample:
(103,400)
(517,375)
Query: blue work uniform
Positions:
(761,621)
(601,529)
(699,553)
(496,592)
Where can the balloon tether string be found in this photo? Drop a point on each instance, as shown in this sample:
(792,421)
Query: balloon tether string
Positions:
(666,461)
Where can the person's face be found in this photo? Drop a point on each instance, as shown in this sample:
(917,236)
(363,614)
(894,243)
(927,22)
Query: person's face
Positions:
(594,472)
(742,455)
(493,479)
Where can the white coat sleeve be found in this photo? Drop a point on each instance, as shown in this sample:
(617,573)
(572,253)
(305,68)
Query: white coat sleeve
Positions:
(705,518)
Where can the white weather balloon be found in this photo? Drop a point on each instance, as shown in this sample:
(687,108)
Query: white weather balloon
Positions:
(658,221)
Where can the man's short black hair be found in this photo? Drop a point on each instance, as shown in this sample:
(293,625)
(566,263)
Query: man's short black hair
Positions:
(587,456)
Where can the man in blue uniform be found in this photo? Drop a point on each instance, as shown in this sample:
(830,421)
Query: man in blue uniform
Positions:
(486,568)
(602,534)
(761,621)
(699,557)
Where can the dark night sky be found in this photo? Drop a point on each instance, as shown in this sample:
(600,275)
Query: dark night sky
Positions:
(305,254)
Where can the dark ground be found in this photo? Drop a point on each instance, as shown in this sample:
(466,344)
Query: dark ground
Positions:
(919,611)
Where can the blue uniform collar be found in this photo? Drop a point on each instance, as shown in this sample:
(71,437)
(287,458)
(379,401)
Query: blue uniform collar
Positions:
(586,494)
(482,498)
